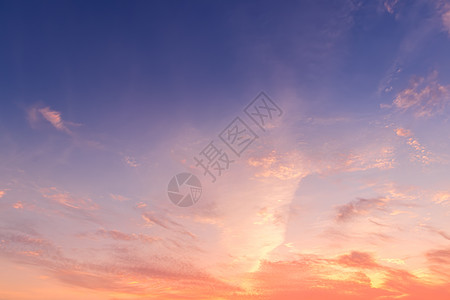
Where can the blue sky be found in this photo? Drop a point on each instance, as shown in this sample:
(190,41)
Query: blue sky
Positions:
(102,102)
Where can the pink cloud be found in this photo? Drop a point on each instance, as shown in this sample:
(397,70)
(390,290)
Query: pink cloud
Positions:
(439,261)
(122,236)
(358,259)
(18,205)
(119,197)
(63,203)
(131,161)
(360,207)
(403,132)
(285,166)
(425,97)
(389,5)
(345,277)
(68,200)
(54,117)
(420,152)
(165,222)
(129,273)
(446,19)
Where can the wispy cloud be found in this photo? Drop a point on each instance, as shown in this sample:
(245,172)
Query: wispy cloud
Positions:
(54,117)
(403,132)
(359,207)
(121,236)
(424,97)
(284,166)
(351,276)
(420,153)
(389,5)
(446,18)
(67,200)
(18,205)
(21,245)
(439,261)
(442,233)
(118,197)
(130,272)
(131,161)
(35,114)
(63,203)
(358,259)
(441,197)
(165,222)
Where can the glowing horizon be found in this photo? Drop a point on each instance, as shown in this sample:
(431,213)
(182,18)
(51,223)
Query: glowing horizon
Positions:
(342,193)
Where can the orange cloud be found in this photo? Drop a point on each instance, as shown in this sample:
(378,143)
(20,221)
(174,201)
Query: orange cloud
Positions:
(281,166)
(130,274)
(442,197)
(403,132)
(346,277)
(18,205)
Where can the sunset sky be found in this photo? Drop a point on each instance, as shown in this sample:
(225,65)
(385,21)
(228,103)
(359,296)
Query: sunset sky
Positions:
(344,193)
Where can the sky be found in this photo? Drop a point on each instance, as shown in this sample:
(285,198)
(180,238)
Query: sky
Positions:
(315,136)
